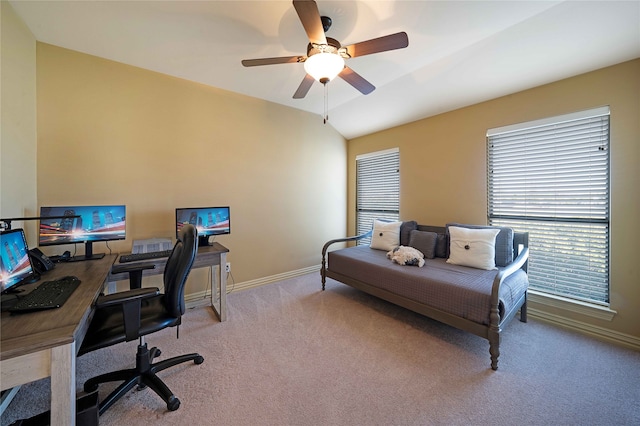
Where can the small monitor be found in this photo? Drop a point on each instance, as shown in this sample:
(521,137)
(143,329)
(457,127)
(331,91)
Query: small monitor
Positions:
(15,266)
(207,220)
(92,224)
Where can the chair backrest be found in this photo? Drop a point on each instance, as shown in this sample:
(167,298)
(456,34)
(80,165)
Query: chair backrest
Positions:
(177,269)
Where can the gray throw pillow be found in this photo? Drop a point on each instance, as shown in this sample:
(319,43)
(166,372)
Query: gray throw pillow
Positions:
(425,242)
(405,231)
(442,245)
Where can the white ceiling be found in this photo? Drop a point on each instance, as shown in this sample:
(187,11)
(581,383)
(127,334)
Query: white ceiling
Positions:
(460,52)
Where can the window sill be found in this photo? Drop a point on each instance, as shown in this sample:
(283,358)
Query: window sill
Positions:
(595,311)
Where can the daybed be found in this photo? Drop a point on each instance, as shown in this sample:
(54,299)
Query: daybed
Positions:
(481,301)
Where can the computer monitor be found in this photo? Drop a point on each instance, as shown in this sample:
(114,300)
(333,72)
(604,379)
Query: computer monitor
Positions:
(94,224)
(15,266)
(207,220)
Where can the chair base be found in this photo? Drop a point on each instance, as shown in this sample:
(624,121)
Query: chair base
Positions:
(143,375)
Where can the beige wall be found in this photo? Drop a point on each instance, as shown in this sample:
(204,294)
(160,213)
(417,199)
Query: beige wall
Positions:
(18,117)
(443,169)
(115,134)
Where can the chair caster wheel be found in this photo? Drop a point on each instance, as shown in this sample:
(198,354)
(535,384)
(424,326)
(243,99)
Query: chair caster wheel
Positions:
(198,360)
(154,353)
(173,404)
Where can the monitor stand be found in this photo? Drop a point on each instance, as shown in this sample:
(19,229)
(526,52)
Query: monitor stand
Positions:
(203,240)
(85,257)
(88,253)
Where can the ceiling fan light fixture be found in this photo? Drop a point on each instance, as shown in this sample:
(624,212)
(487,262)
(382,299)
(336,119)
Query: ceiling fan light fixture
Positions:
(324,66)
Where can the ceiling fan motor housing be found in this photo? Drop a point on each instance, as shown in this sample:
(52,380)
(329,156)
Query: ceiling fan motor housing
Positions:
(326,23)
(332,46)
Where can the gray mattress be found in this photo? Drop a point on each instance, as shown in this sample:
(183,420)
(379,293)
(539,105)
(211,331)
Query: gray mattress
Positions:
(459,290)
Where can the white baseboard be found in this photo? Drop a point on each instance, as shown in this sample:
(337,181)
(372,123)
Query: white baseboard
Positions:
(278,277)
(202,298)
(601,333)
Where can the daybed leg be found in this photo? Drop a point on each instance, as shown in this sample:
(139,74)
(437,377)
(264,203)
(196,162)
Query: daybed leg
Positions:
(523,310)
(494,336)
(322,273)
(494,350)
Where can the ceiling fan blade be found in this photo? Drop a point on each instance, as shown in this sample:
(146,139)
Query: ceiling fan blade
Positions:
(357,81)
(380,44)
(304,87)
(272,61)
(310,17)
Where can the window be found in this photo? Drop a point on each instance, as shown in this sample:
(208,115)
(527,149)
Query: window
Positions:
(377,189)
(551,178)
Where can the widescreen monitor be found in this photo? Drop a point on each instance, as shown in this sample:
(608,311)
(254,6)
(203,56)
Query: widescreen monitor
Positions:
(94,224)
(15,265)
(207,220)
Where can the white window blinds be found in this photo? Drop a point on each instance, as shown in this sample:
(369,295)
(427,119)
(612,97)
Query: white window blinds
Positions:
(551,178)
(377,189)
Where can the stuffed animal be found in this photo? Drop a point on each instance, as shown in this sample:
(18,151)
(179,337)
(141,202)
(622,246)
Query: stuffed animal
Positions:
(406,256)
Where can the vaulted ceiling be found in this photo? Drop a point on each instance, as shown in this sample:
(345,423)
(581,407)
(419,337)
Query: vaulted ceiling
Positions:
(459,53)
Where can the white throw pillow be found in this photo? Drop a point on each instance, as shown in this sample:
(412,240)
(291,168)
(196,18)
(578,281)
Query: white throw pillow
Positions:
(473,247)
(386,235)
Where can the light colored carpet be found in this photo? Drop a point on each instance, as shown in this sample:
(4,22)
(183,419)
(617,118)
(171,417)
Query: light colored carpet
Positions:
(291,354)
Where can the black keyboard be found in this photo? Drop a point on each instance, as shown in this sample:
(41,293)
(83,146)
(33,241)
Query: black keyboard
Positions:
(48,295)
(134,257)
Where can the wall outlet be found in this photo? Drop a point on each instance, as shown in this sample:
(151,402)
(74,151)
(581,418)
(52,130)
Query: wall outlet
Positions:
(227,267)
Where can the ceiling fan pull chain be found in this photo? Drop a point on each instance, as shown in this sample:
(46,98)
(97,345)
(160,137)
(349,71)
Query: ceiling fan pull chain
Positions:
(326,103)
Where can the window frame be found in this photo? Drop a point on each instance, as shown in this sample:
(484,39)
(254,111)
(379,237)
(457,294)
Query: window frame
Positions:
(569,205)
(382,170)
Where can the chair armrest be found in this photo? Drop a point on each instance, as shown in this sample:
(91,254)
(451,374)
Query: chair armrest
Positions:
(132,267)
(130,303)
(135,272)
(123,297)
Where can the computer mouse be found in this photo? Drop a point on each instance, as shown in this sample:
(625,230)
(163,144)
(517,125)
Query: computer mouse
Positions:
(66,255)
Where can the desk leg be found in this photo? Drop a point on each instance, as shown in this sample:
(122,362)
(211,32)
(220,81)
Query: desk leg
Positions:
(63,385)
(219,294)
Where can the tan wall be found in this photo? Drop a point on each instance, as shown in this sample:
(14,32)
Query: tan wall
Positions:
(18,134)
(443,168)
(115,134)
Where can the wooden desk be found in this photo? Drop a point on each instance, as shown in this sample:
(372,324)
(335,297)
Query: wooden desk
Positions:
(41,344)
(207,257)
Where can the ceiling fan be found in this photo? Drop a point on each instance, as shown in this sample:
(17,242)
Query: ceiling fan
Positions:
(325,56)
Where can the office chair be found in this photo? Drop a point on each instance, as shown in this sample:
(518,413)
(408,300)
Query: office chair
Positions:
(128,315)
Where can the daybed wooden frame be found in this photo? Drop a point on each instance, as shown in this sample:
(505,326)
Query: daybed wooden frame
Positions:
(491,332)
